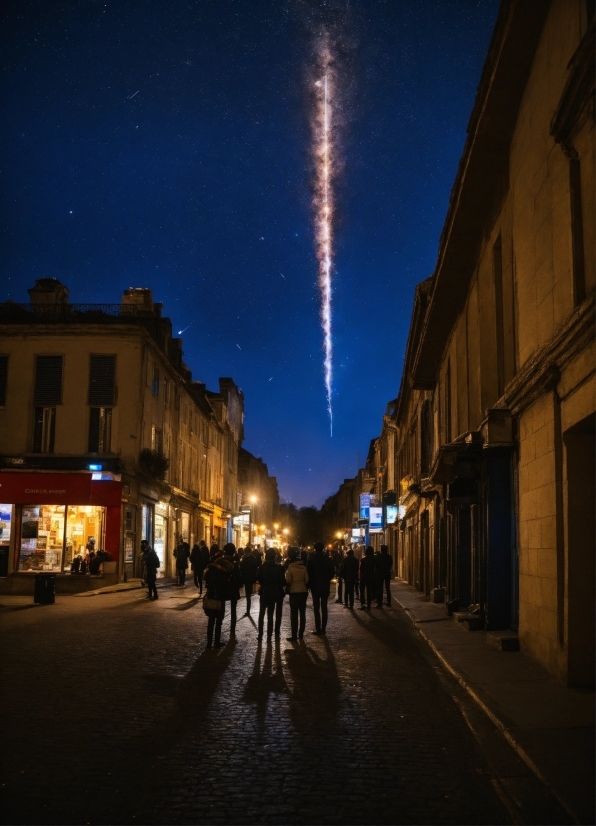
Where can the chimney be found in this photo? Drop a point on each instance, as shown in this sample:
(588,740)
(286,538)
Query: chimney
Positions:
(141,298)
(48,291)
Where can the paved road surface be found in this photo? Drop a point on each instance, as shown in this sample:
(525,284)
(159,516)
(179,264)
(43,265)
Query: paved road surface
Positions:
(114,712)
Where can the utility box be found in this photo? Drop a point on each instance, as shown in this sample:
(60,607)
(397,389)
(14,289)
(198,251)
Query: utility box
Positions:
(45,589)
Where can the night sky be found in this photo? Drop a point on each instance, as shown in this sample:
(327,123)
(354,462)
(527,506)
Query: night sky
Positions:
(166,144)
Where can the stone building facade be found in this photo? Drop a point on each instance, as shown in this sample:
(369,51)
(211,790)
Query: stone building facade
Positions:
(501,376)
(494,422)
(259,499)
(104,435)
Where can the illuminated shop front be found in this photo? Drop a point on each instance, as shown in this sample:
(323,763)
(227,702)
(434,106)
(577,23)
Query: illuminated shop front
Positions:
(55,517)
(52,536)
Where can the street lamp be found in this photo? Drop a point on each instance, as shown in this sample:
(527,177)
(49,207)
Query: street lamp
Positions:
(252,500)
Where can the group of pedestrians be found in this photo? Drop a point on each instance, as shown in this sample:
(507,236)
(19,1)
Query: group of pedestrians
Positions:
(225,572)
(368,578)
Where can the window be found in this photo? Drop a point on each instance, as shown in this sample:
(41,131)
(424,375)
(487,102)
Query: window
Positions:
(44,429)
(155,383)
(3,377)
(426,437)
(448,403)
(156,439)
(102,384)
(55,537)
(166,392)
(48,381)
(100,429)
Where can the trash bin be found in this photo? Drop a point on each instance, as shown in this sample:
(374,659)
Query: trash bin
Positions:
(45,589)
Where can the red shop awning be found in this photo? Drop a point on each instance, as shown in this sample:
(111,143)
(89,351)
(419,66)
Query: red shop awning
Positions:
(57,489)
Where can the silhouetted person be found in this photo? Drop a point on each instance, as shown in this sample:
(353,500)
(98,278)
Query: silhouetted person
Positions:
(271,578)
(216,582)
(182,554)
(214,551)
(338,558)
(367,578)
(233,584)
(297,579)
(320,573)
(349,571)
(199,559)
(151,564)
(384,564)
(248,571)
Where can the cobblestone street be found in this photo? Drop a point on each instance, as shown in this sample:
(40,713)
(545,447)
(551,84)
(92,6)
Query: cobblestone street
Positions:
(114,712)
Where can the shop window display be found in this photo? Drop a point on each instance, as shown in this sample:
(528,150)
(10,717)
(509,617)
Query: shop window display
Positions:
(42,538)
(53,536)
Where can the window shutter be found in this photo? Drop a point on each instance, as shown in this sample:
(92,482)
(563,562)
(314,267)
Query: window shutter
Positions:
(102,373)
(48,380)
(3,376)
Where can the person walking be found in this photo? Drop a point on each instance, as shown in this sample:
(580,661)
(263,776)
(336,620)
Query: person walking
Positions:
(367,578)
(151,564)
(297,579)
(349,572)
(199,559)
(214,604)
(320,573)
(338,558)
(384,564)
(271,578)
(248,572)
(182,554)
(233,584)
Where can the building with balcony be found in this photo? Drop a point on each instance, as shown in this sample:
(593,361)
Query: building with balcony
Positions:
(104,437)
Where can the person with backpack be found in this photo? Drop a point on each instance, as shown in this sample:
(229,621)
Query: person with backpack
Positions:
(248,571)
(271,578)
(151,563)
(214,604)
(297,579)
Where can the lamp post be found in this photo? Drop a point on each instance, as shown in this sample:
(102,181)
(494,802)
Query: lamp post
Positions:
(252,501)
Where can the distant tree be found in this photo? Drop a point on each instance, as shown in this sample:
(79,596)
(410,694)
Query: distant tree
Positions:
(305,524)
(309,529)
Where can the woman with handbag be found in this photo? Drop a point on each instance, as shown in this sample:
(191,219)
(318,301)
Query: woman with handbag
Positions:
(214,603)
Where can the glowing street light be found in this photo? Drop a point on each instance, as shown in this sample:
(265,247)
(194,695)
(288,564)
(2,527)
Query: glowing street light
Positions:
(253,500)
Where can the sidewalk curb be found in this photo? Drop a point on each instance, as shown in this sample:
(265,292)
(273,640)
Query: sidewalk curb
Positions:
(115,589)
(497,722)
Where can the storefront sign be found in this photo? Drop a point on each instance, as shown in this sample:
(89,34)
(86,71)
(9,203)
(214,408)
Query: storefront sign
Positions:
(375,519)
(364,505)
(58,489)
(46,488)
(392,513)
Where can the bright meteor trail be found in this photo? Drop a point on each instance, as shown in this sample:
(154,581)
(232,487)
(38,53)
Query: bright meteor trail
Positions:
(323,205)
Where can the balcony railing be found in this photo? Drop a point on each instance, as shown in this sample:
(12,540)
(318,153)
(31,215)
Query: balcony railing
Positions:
(78,313)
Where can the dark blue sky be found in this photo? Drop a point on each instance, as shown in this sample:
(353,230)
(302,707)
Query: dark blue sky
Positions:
(166,145)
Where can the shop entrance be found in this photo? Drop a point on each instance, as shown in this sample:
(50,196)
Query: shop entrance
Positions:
(159,543)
